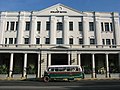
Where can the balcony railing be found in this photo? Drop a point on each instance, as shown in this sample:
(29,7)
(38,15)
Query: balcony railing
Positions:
(48,46)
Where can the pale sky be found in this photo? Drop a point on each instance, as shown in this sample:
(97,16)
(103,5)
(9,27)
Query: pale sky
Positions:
(81,5)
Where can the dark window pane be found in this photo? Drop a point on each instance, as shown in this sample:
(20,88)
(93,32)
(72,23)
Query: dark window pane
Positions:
(92,41)
(59,26)
(10,40)
(59,41)
(12,26)
(107,27)
(102,26)
(71,26)
(16,26)
(91,26)
(37,40)
(7,26)
(47,25)
(26,41)
(111,26)
(38,26)
(27,26)
(107,41)
(5,40)
(47,41)
(80,26)
(80,41)
(70,40)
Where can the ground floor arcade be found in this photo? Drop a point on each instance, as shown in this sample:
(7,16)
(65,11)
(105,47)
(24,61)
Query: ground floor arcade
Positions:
(32,64)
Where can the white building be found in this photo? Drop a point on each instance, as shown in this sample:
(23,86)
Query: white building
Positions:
(59,35)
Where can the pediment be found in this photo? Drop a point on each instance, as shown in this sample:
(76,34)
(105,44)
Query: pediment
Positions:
(58,9)
(59,47)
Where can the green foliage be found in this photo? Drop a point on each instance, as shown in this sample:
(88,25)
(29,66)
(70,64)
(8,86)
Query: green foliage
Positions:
(3,69)
(31,69)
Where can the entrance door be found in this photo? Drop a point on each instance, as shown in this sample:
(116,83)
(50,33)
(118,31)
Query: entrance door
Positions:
(59,59)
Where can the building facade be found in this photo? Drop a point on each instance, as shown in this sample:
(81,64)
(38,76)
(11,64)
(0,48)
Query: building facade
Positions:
(59,35)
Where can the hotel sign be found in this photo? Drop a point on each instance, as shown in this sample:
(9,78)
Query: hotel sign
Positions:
(58,10)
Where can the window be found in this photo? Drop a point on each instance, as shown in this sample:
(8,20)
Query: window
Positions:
(59,26)
(47,41)
(103,41)
(80,41)
(7,26)
(107,27)
(38,26)
(37,40)
(107,41)
(113,42)
(15,40)
(5,40)
(47,25)
(80,26)
(26,41)
(70,40)
(10,40)
(111,26)
(12,26)
(102,28)
(27,26)
(91,26)
(59,41)
(16,26)
(71,26)
(92,41)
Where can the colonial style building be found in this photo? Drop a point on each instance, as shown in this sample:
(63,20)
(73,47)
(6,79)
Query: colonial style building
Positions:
(59,35)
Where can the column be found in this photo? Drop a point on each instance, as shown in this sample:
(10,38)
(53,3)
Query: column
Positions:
(79,59)
(107,66)
(69,62)
(21,28)
(33,30)
(49,59)
(11,65)
(43,62)
(66,30)
(93,65)
(53,30)
(25,65)
(3,26)
(98,32)
(117,32)
(39,66)
(85,31)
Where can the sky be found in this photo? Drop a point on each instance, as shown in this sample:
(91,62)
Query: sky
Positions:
(81,5)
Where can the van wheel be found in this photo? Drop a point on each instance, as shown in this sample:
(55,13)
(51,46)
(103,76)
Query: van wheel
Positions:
(46,79)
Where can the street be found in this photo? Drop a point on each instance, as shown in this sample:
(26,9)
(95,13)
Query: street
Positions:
(60,85)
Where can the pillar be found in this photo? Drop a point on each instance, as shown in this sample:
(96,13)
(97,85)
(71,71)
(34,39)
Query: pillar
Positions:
(11,65)
(69,62)
(25,66)
(98,32)
(85,31)
(49,59)
(53,30)
(93,66)
(21,28)
(39,66)
(33,30)
(79,59)
(107,66)
(43,62)
(66,30)
(2,26)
